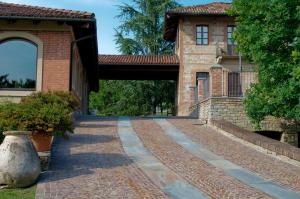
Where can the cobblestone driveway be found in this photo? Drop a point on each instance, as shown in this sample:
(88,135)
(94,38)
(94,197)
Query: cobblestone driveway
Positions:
(99,161)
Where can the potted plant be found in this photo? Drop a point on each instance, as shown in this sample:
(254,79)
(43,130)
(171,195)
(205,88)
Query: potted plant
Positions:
(45,114)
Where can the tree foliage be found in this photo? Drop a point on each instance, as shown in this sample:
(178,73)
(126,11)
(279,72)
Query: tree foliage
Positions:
(268,34)
(142,28)
(140,33)
(130,98)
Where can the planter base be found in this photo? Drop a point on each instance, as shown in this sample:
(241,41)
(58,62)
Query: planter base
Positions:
(45,158)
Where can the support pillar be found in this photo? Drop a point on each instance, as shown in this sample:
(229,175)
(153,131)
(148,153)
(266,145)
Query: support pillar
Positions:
(216,73)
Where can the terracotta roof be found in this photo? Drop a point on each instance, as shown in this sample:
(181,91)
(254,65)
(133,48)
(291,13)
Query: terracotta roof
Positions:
(10,10)
(138,59)
(211,8)
(172,16)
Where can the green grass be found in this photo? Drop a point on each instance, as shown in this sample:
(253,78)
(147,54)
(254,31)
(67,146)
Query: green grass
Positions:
(27,193)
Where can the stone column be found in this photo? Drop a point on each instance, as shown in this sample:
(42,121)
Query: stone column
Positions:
(216,74)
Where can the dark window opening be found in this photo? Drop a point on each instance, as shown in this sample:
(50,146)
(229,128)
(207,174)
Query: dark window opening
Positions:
(202,35)
(18,66)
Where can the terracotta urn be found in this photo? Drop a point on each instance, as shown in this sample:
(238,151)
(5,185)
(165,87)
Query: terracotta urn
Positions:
(19,161)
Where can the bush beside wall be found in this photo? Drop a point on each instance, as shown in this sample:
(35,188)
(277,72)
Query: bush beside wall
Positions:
(40,112)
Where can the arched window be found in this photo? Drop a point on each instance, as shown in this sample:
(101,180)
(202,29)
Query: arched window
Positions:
(18,64)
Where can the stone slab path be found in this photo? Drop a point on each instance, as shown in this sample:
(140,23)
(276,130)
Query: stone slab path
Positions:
(231,169)
(163,177)
(158,158)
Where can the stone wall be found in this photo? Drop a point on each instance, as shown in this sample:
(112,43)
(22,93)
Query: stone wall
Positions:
(197,58)
(200,58)
(232,110)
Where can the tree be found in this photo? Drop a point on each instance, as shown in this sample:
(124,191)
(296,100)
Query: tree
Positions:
(142,28)
(268,35)
(141,33)
(117,97)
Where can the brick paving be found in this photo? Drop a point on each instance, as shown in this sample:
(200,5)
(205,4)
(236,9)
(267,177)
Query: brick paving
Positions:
(206,178)
(269,168)
(92,165)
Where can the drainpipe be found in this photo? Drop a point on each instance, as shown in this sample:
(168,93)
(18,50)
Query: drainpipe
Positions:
(241,69)
(240,61)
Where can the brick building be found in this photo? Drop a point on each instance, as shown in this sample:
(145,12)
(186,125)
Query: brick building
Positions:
(59,48)
(43,49)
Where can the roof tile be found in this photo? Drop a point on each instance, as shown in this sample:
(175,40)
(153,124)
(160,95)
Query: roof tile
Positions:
(211,8)
(138,59)
(17,10)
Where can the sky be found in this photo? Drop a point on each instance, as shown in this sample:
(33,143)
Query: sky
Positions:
(105,11)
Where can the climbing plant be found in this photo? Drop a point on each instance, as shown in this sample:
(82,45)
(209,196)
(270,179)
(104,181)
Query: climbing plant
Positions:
(268,35)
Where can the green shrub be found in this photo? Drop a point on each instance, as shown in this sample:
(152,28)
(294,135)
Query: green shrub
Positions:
(40,112)
(53,97)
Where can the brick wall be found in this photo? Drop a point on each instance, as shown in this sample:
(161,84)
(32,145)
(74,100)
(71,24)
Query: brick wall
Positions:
(56,59)
(216,81)
(56,64)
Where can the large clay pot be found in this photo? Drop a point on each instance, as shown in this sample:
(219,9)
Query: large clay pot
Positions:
(42,141)
(19,161)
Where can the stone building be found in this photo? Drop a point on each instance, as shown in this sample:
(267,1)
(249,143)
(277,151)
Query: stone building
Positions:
(44,49)
(213,76)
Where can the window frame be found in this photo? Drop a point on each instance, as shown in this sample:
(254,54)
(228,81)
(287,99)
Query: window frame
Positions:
(202,33)
(36,64)
(7,35)
(227,38)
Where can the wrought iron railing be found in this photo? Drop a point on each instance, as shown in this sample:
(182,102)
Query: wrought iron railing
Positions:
(239,82)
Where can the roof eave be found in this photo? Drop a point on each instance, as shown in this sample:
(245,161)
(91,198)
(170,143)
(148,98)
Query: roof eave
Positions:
(49,18)
(169,15)
(196,13)
(136,64)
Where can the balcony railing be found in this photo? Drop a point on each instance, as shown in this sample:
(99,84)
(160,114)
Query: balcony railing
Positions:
(230,51)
